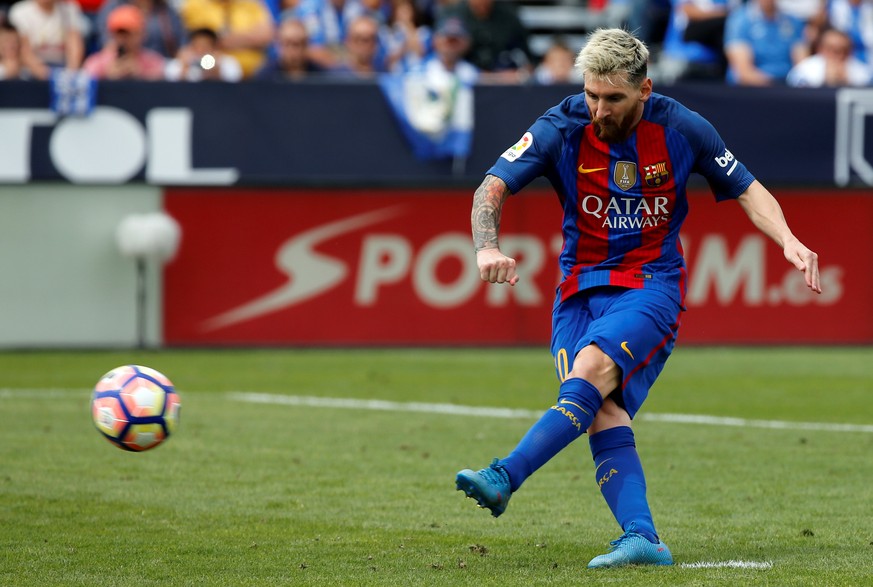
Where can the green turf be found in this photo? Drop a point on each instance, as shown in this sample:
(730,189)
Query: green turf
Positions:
(258,494)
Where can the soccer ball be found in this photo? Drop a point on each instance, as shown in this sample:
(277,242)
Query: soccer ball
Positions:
(136,408)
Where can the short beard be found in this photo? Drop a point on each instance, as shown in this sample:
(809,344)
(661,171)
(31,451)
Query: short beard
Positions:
(611,133)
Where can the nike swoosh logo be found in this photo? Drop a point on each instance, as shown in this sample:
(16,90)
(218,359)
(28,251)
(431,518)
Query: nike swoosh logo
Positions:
(309,273)
(625,348)
(583,170)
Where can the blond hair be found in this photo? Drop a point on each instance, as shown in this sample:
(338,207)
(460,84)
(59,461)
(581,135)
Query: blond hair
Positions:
(614,55)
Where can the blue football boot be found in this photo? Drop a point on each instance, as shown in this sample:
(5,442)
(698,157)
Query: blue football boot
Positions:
(632,549)
(489,487)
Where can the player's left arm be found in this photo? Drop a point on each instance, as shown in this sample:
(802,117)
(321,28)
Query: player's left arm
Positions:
(766,214)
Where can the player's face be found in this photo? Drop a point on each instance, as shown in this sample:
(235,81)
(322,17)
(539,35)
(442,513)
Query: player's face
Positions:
(615,108)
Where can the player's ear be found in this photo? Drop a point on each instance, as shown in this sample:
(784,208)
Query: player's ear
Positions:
(646,89)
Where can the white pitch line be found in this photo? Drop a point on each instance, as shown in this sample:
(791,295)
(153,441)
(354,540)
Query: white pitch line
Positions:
(381,405)
(476,411)
(746,423)
(480,411)
(732,564)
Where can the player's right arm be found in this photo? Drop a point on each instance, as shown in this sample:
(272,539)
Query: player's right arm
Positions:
(532,156)
(494,266)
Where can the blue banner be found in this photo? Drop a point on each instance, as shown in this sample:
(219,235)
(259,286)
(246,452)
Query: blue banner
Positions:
(437,121)
(347,133)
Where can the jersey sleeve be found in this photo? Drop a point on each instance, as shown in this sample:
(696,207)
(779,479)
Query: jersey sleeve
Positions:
(736,29)
(534,153)
(728,178)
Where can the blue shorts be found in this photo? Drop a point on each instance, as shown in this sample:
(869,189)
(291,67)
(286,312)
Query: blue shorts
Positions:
(636,328)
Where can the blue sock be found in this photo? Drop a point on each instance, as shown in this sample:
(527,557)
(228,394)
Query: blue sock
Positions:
(622,482)
(578,402)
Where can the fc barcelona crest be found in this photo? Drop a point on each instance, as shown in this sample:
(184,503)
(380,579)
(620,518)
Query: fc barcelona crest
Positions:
(655,175)
(625,175)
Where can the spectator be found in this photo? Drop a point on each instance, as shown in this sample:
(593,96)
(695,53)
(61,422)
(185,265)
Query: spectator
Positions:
(291,61)
(124,56)
(855,18)
(693,41)
(51,35)
(90,28)
(434,100)
(451,41)
(10,52)
(762,44)
(164,31)
(832,65)
(202,60)
(499,40)
(362,50)
(650,18)
(806,10)
(327,22)
(407,40)
(557,66)
(380,11)
(245,28)
(289,9)
(377,9)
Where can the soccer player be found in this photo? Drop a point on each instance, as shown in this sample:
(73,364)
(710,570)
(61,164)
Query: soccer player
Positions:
(618,156)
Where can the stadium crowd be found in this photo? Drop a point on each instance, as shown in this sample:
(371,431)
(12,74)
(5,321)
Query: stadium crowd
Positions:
(800,43)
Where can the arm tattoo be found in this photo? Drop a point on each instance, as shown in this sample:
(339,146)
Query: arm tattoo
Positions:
(485,218)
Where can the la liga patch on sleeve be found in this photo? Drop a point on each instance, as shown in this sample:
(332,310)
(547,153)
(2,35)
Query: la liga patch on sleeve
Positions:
(516,150)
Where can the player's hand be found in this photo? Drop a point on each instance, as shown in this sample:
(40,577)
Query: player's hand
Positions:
(495,267)
(805,260)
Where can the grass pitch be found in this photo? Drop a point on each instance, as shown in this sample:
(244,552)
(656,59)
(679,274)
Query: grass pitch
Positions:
(270,494)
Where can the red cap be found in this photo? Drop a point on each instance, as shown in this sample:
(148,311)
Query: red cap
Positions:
(125,17)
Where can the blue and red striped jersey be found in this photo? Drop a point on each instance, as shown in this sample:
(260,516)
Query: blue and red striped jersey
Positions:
(624,203)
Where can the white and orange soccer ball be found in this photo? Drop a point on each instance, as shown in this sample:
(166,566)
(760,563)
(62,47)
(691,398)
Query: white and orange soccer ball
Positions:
(136,408)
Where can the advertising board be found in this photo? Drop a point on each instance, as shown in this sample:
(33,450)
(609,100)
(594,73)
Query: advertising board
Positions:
(329,267)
